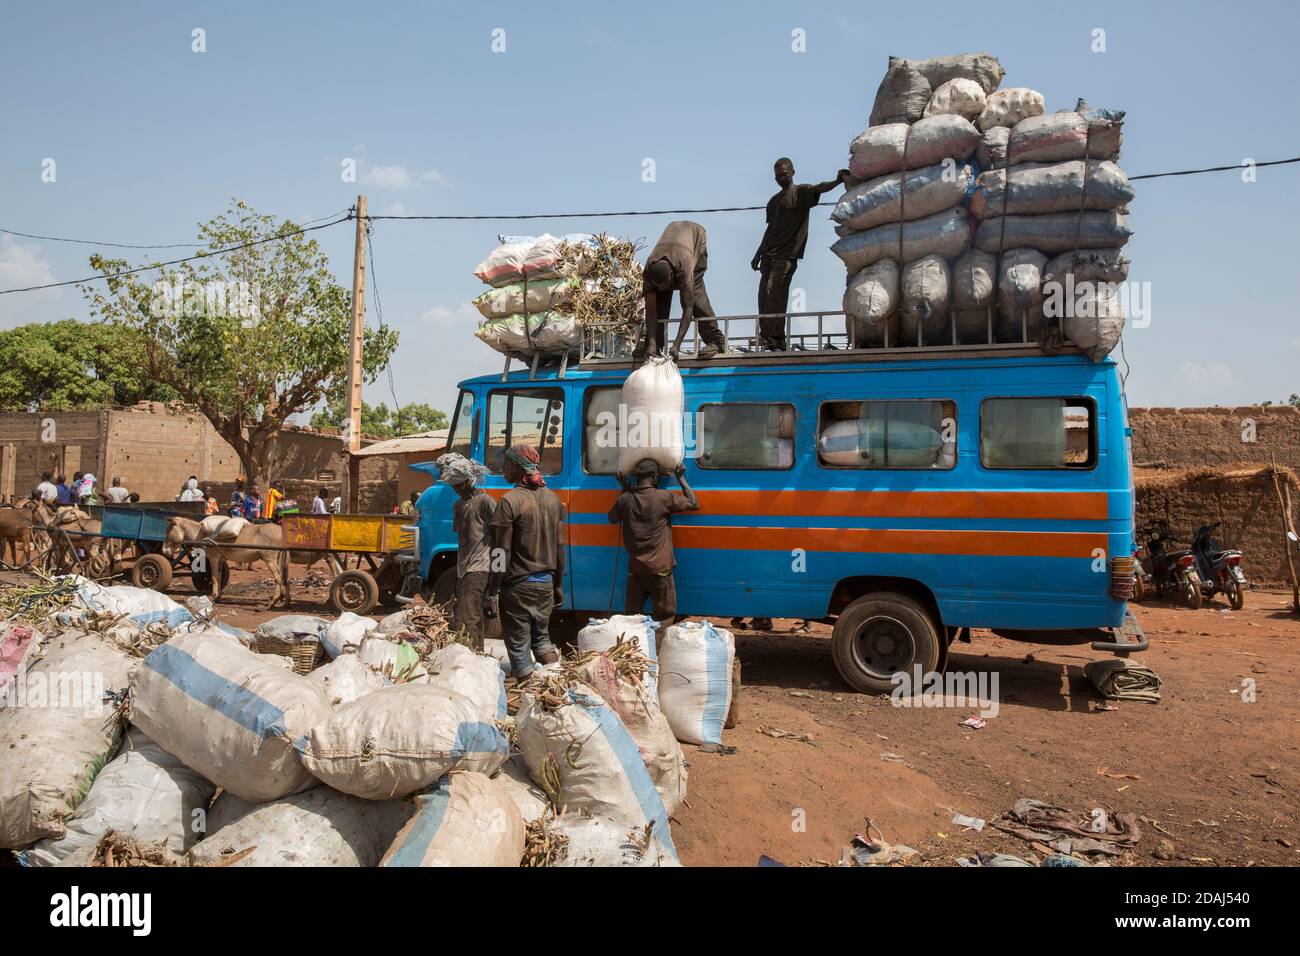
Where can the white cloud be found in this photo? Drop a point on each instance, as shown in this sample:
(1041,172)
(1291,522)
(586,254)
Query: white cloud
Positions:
(393,209)
(463,316)
(399,177)
(1210,374)
(22,265)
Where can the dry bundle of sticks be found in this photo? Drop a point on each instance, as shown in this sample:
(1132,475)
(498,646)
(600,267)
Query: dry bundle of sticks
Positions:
(608,290)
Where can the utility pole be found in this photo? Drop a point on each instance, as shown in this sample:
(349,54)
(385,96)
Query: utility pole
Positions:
(352,429)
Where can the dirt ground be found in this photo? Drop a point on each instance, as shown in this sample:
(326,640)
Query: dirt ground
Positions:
(1212,768)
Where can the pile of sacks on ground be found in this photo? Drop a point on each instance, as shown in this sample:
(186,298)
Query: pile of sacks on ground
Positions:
(545,288)
(397,752)
(968,200)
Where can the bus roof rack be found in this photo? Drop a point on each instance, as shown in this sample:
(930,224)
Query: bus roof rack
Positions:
(809,339)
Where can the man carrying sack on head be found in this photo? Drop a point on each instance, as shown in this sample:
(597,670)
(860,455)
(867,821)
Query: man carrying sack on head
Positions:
(645,511)
(527,561)
(471,519)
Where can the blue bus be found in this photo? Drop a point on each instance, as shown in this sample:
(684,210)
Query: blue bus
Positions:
(905,501)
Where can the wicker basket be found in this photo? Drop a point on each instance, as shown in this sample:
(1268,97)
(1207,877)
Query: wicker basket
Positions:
(307,655)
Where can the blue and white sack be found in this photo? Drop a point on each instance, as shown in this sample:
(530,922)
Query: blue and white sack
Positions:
(234,716)
(464,819)
(596,841)
(475,676)
(584,745)
(601,634)
(695,660)
(401,739)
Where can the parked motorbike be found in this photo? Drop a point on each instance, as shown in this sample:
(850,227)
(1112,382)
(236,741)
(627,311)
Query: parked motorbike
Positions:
(1174,571)
(1219,569)
(1142,584)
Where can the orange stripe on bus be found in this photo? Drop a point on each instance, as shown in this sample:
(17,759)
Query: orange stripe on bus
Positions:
(1026,544)
(1061,505)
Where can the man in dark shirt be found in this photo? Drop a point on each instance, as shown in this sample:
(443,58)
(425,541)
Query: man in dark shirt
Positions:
(527,561)
(645,513)
(471,519)
(782,247)
(677,262)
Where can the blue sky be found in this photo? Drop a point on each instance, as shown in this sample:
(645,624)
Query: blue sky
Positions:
(150,138)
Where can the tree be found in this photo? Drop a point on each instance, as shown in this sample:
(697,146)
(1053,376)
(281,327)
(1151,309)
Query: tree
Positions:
(380,421)
(71,365)
(249,337)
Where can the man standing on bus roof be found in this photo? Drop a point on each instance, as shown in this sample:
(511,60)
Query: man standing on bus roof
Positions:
(645,512)
(677,263)
(471,519)
(782,247)
(527,561)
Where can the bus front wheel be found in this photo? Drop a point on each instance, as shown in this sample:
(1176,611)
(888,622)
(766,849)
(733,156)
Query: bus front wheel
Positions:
(879,635)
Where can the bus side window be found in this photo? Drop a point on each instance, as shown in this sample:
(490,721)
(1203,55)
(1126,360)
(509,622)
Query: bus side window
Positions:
(888,434)
(600,432)
(526,416)
(1038,433)
(750,435)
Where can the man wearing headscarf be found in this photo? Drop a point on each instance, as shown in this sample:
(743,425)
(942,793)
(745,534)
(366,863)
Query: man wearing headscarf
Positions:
(471,519)
(645,512)
(527,561)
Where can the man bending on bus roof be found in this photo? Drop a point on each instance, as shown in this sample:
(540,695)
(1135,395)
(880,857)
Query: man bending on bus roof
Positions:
(645,512)
(527,561)
(782,247)
(471,519)
(677,263)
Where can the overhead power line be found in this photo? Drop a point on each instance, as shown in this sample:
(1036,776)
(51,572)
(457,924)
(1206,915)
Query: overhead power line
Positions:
(131,245)
(481,218)
(172,262)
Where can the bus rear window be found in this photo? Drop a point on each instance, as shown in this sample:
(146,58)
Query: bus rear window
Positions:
(888,434)
(753,436)
(1038,433)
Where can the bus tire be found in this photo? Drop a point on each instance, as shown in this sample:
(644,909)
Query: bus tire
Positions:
(880,634)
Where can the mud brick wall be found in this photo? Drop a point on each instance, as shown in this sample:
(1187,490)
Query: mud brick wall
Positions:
(1218,438)
(32,443)
(1246,506)
(154,448)
(1213,437)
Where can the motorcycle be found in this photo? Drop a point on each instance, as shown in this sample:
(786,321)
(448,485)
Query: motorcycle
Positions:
(1142,584)
(1174,571)
(1219,569)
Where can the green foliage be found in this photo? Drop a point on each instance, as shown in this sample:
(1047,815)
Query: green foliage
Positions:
(379,420)
(250,337)
(60,366)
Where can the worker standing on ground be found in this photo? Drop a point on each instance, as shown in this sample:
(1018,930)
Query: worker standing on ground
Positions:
(274,495)
(117,493)
(471,519)
(46,490)
(527,561)
(677,263)
(782,247)
(645,512)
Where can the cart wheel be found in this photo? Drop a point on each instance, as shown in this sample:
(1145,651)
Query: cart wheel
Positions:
(354,591)
(152,571)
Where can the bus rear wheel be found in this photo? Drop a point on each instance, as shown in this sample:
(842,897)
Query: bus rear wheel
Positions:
(879,635)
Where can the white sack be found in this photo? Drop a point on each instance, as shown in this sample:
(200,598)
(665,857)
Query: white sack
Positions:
(695,661)
(464,819)
(401,739)
(346,679)
(345,632)
(1055,232)
(529,799)
(600,634)
(605,775)
(1009,107)
(320,827)
(913,194)
(945,234)
(1038,188)
(232,715)
(524,297)
(599,841)
(1067,134)
(56,732)
(1020,281)
(144,793)
(963,97)
(653,397)
(878,150)
(901,96)
(983,68)
(476,677)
